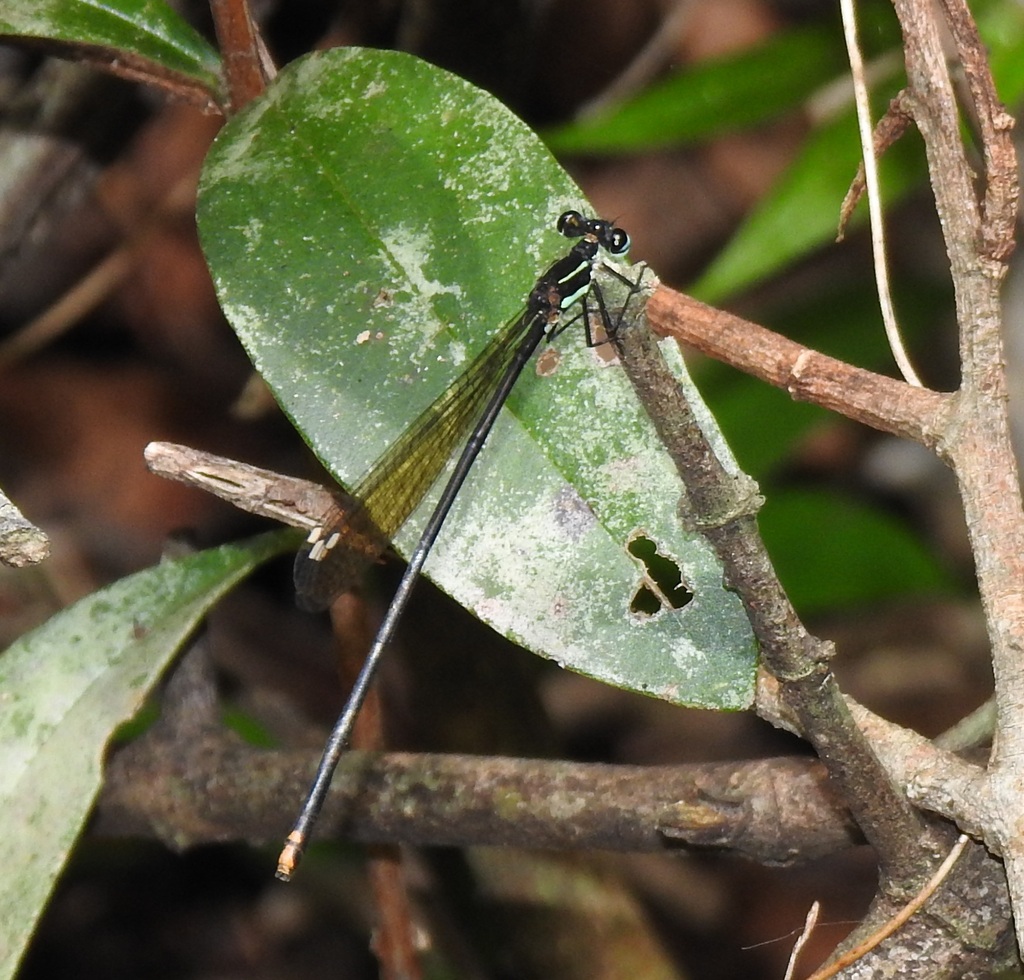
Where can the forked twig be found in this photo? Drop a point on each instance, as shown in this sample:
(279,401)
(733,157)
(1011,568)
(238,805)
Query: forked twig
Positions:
(862,948)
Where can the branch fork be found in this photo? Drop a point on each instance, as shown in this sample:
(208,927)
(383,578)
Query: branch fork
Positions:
(879,767)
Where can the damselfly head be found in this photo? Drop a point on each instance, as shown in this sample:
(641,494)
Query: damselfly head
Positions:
(614,240)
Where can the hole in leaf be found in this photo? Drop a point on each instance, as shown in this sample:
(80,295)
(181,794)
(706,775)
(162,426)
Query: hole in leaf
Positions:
(645,603)
(662,586)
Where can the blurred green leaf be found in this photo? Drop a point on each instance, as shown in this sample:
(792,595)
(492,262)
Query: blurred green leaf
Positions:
(66,687)
(370,224)
(834,552)
(245,726)
(801,212)
(148,29)
(714,97)
(1001,25)
(761,422)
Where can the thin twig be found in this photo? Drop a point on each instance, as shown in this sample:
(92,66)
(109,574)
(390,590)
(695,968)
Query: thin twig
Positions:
(970,731)
(245,62)
(393,940)
(96,285)
(1002,190)
(647,61)
(889,130)
(863,103)
(809,923)
(83,297)
(883,403)
(126,64)
(299,503)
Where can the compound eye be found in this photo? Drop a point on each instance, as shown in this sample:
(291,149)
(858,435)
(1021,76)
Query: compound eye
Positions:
(572,224)
(618,241)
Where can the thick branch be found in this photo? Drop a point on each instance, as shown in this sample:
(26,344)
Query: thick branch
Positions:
(720,505)
(214,787)
(188,781)
(978,442)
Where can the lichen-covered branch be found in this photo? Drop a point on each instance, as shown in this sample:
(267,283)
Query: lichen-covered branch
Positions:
(968,429)
(720,506)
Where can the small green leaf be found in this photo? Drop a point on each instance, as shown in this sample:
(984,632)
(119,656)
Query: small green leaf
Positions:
(714,97)
(147,29)
(66,687)
(370,224)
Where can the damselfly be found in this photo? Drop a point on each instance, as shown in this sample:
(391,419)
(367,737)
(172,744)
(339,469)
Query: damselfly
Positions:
(359,528)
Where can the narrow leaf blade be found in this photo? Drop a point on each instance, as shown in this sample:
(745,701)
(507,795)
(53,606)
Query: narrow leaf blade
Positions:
(66,686)
(714,97)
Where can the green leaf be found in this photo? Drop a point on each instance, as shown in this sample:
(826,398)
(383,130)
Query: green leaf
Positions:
(834,552)
(714,97)
(802,211)
(147,29)
(66,686)
(370,223)
(761,422)
(1001,26)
